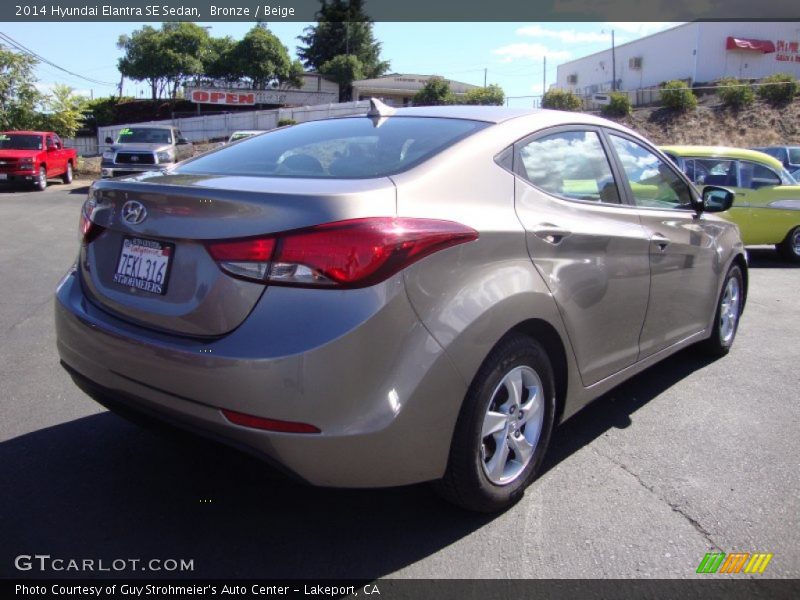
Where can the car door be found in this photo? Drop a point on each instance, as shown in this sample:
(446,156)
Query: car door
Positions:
(773,205)
(61,155)
(724,172)
(589,247)
(184,150)
(682,246)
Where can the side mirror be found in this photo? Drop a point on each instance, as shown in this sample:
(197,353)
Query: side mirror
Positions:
(717,199)
(182,141)
(109,140)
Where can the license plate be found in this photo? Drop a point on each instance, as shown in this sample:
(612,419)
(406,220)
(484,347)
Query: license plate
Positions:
(144,265)
(3,176)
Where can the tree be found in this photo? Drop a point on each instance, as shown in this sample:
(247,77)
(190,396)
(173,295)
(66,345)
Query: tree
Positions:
(344,70)
(18,94)
(778,89)
(218,60)
(619,105)
(492,95)
(144,58)
(678,96)
(734,93)
(184,45)
(343,28)
(561,100)
(65,111)
(436,91)
(164,58)
(264,60)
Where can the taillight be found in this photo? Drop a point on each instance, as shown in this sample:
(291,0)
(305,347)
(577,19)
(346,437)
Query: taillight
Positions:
(351,254)
(88,229)
(254,422)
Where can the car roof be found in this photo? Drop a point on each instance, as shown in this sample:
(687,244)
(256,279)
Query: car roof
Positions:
(724,152)
(490,114)
(537,118)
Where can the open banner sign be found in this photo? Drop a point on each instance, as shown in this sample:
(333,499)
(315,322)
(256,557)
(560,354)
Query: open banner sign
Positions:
(218,97)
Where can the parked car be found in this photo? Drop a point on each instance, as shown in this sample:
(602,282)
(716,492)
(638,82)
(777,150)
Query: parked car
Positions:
(33,157)
(146,148)
(788,155)
(767,206)
(399,297)
(245,133)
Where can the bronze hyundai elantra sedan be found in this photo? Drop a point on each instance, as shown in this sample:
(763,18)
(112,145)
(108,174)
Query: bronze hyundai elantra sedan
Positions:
(410,295)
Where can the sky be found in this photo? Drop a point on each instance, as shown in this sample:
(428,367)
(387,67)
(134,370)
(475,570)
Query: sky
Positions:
(508,54)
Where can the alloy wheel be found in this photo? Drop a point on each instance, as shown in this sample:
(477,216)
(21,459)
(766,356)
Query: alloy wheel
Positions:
(512,425)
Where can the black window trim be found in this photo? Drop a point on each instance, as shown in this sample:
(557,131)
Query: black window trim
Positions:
(739,162)
(728,158)
(517,167)
(631,200)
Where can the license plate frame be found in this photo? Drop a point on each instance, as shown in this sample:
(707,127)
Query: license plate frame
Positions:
(151,274)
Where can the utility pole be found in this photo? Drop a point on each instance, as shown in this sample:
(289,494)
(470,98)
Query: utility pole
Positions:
(544,75)
(484,76)
(613,64)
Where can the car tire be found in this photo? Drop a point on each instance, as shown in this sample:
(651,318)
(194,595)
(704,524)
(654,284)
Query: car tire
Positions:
(67,177)
(789,248)
(41,181)
(726,317)
(489,473)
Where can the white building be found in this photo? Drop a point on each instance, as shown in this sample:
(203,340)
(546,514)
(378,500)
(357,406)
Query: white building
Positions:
(694,52)
(399,89)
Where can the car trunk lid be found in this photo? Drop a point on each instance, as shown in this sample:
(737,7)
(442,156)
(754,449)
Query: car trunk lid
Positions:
(171,217)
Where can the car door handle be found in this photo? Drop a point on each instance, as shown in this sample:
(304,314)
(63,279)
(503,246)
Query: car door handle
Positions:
(552,234)
(660,241)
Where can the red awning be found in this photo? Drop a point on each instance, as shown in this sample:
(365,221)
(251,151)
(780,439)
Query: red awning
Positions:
(764,46)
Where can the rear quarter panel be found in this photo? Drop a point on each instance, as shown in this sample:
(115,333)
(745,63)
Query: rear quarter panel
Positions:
(471,295)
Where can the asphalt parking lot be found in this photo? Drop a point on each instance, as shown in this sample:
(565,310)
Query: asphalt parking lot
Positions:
(691,456)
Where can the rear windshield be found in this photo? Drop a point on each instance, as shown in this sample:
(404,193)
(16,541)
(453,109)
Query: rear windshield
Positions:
(349,148)
(16,141)
(144,135)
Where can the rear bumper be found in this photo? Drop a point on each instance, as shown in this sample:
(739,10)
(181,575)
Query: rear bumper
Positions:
(381,390)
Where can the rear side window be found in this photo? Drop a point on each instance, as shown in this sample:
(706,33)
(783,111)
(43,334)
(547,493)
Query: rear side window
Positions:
(350,148)
(755,176)
(570,164)
(710,171)
(794,156)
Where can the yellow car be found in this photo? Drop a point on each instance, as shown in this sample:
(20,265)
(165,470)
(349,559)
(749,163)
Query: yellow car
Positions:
(767,204)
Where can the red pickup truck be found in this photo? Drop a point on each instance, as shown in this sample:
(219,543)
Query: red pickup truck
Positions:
(33,157)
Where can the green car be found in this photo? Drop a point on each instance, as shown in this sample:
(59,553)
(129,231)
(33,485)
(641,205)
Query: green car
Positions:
(767,204)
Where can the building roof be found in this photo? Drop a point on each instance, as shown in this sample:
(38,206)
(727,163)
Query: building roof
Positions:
(414,81)
(622,45)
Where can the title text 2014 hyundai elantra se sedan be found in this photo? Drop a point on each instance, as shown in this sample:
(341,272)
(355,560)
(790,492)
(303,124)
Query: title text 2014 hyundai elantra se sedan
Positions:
(405,296)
